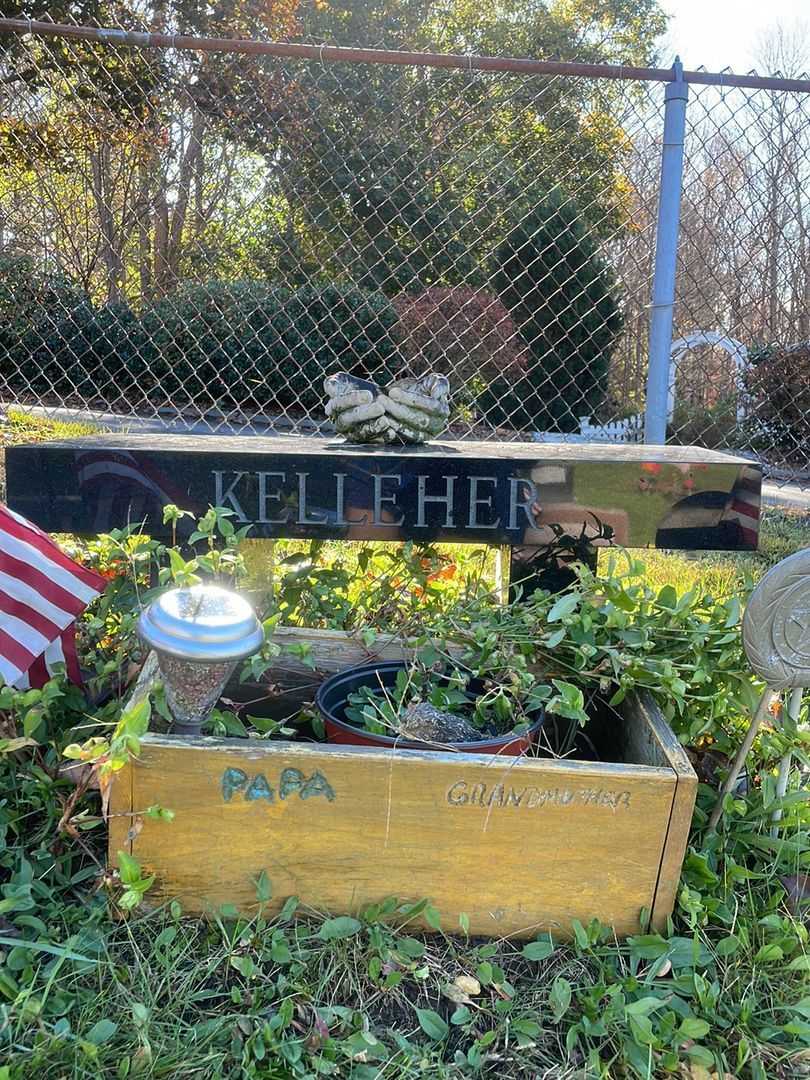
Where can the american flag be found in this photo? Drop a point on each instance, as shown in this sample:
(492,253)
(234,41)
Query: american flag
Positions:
(744,503)
(42,593)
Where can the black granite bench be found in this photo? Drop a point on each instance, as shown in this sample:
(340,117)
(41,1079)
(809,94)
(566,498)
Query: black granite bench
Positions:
(465,492)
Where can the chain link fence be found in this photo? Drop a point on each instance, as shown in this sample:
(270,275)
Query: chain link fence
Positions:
(202,236)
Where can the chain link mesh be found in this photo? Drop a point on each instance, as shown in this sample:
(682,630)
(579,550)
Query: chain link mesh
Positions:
(205,236)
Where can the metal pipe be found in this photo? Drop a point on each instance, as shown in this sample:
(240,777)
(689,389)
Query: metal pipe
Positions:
(666,257)
(337,54)
(742,754)
(794,708)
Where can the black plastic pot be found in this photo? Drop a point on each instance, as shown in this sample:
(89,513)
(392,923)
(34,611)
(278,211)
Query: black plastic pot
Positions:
(331,700)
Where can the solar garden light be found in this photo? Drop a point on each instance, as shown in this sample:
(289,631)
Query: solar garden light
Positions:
(198,633)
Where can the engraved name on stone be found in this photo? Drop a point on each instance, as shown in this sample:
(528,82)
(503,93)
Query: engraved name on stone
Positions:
(279,498)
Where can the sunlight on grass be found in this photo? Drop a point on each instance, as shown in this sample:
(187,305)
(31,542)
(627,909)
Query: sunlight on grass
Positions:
(19,426)
(722,573)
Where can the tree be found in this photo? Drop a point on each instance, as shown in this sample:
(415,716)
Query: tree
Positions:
(137,171)
(561,296)
(30,297)
(406,178)
(130,152)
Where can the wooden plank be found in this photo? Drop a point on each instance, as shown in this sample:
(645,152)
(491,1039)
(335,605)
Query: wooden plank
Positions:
(120,820)
(641,736)
(518,846)
(680,819)
(333,650)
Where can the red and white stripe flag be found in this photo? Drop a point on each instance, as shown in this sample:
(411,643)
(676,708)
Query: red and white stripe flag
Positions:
(744,504)
(42,593)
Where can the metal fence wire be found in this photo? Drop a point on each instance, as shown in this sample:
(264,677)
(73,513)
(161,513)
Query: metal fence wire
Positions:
(190,234)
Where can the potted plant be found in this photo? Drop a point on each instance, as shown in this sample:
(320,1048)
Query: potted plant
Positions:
(411,705)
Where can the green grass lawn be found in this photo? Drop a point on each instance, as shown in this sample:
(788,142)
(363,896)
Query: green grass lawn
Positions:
(724,573)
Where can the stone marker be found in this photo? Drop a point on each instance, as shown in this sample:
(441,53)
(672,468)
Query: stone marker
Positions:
(463,492)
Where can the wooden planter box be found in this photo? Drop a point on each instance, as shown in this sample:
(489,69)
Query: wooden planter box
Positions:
(518,845)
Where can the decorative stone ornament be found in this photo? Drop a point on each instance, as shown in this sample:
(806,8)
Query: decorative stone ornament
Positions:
(198,633)
(410,410)
(423,722)
(776,624)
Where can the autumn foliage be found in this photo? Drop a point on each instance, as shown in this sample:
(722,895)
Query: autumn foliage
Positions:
(461,332)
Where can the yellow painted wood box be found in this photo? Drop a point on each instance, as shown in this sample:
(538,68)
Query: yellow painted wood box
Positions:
(518,845)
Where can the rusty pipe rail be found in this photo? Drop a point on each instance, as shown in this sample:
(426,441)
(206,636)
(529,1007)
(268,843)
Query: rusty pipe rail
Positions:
(339,54)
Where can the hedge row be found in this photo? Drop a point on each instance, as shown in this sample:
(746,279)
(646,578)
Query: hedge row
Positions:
(533,354)
(242,344)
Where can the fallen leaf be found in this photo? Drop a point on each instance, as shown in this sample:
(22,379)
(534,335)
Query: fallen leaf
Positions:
(135,828)
(468,985)
(696,1072)
(18,744)
(142,1059)
(318,1036)
(104,784)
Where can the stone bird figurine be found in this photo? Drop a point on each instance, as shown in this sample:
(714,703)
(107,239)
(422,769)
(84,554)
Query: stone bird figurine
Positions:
(410,410)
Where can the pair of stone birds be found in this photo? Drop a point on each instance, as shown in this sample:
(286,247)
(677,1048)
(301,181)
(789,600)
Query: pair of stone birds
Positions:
(409,410)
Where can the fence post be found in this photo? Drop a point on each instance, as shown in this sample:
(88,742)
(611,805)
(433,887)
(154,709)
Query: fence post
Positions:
(666,255)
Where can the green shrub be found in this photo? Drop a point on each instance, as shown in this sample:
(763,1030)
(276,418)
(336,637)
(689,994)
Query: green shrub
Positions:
(253,345)
(29,292)
(90,354)
(779,385)
(243,344)
(32,297)
(562,297)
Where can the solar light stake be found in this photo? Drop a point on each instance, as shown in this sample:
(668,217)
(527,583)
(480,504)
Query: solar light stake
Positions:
(742,753)
(199,633)
(776,639)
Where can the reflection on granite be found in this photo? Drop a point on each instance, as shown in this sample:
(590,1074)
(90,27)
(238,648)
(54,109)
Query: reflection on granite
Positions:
(468,492)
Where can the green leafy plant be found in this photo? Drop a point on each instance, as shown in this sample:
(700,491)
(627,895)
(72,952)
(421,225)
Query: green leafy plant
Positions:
(494,709)
(135,884)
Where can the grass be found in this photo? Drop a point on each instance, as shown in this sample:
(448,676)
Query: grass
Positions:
(18,426)
(369,998)
(782,532)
